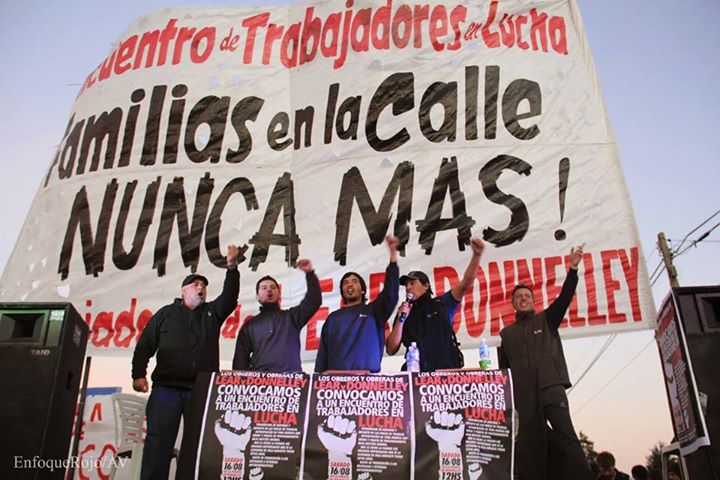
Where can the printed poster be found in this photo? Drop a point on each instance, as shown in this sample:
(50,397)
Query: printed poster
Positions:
(687,419)
(464,425)
(253,426)
(360,427)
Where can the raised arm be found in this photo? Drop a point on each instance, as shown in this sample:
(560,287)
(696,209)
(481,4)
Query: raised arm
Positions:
(556,311)
(226,302)
(302,313)
(388,297)
(459,289)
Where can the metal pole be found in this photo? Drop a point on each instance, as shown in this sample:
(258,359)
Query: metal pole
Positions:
(667,258)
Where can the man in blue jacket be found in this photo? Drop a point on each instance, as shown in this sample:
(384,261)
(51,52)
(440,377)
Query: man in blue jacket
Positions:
(270,341)
(184,335)
(352,337)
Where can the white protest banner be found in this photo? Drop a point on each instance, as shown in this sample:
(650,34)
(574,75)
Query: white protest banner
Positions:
(312,132)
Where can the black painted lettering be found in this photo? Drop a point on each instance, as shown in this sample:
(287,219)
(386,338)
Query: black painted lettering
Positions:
(519,218)
(282,203)
(446,182)
(376,221)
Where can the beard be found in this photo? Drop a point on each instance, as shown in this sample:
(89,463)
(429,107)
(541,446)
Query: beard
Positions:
(193,300)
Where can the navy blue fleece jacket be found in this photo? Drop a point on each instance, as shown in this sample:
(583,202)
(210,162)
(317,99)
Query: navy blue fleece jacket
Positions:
(353,338)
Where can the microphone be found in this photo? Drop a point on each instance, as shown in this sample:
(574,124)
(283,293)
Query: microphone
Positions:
(403,316)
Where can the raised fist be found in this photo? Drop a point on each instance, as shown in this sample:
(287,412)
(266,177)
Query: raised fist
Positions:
(447,429)
(338,435)
(233,430)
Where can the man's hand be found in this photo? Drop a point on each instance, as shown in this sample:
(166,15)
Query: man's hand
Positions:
(140,385)
(576,255)
(338,435)
(403,311)
(477,245)
(447,429)
(233,431)
(305,265)
(234,255)
(392,243)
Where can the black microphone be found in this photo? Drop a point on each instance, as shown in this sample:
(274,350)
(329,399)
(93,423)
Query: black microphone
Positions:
(403,316)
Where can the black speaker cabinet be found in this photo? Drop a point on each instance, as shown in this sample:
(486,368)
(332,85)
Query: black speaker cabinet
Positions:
(42,348)
(699,309)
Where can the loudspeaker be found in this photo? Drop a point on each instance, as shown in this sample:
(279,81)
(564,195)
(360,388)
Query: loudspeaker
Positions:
(699,311)
(42,348)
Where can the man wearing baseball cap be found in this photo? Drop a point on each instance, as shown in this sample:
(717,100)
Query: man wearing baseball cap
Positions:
(428,321)
(184,337)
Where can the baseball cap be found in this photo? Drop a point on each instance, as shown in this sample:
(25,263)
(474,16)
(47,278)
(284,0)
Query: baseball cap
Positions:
(192,277)
(415,275)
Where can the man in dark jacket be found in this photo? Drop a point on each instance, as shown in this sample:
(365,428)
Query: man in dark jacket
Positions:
(606,463)
(430,320)
(532,344)
(184,335)
(270,341)
(353,337)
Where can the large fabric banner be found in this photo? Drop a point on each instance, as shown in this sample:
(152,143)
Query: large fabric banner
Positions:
(313,131)
(451,425)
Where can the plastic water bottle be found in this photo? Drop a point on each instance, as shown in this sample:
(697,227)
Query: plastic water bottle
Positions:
(484,355)
(412,360)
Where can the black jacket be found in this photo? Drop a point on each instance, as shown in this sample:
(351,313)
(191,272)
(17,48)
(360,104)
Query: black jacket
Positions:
(533,341)
(270,341)
(186,341)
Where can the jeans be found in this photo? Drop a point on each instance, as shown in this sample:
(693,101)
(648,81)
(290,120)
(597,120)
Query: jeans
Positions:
(165,407)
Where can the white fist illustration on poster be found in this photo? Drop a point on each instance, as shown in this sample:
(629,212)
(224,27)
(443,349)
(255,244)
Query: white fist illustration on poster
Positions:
(233,430)
(338,436)
(448,430)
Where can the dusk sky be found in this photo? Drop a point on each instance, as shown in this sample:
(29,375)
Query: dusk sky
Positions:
(658,69)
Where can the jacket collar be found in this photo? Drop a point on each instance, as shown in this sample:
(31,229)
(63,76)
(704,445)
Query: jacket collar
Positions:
(524,316)
(269,307)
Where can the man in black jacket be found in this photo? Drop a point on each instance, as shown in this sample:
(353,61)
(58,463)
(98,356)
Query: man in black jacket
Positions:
(184,335)
(270,341)
(428,321)
(532,344)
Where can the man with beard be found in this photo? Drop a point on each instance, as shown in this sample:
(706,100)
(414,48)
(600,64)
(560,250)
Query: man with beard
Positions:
(185,336)
(353,337)
(428,321)
(270,341)
(531,347)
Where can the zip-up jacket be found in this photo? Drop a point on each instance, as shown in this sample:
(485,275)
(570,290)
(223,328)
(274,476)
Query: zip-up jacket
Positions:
(533,341)
(353,338)
(270,341)
(185,341)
